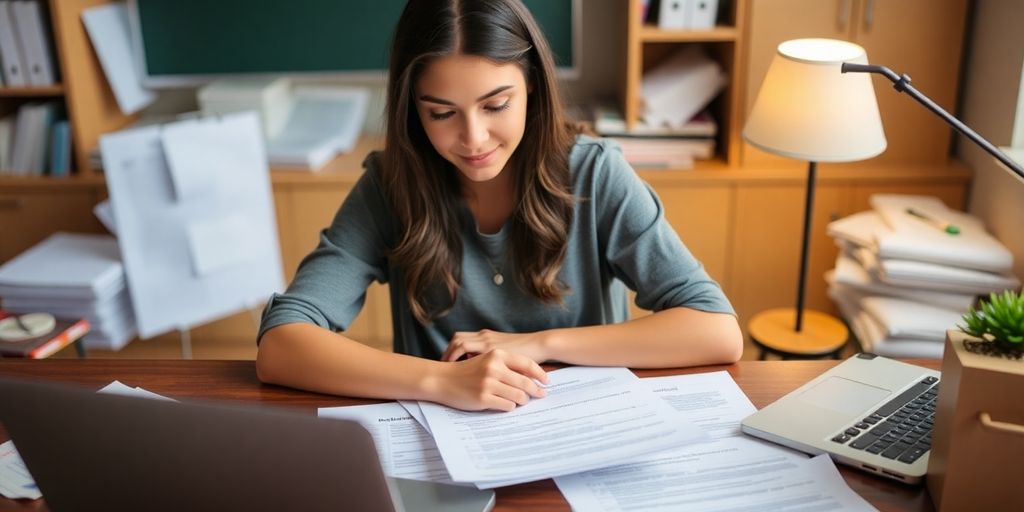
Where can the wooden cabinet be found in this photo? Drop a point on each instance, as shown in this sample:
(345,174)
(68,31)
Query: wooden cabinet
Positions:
(29,213)
(922,38)
(647,46)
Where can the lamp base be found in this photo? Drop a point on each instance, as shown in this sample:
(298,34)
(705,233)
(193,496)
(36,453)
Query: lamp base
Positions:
(822,335)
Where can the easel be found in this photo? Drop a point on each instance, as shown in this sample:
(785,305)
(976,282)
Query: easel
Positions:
(185,335)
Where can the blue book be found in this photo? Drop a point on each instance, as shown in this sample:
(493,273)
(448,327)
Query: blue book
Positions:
(60,148)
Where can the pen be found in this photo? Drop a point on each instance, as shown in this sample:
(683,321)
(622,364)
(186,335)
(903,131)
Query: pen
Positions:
(941,224)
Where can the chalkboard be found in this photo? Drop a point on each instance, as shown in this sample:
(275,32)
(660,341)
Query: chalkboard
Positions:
(195,38)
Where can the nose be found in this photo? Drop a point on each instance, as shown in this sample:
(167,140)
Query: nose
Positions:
(474,132)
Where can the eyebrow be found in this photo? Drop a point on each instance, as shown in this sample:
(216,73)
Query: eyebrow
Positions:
(433,99)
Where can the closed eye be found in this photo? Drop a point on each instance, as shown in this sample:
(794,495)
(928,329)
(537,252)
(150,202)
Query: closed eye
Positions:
(442,116)
(496,109)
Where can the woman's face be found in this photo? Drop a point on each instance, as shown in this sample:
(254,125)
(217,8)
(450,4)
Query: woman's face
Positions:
(473,111)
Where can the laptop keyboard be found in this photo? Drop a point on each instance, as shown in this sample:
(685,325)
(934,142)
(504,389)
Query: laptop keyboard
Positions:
(899,430)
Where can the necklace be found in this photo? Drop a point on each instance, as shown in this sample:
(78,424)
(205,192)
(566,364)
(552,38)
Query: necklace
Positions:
(498,279)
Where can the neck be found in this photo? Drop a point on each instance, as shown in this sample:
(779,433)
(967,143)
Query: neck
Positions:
(491,202)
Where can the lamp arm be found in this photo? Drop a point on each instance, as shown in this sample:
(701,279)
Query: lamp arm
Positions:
(902,84)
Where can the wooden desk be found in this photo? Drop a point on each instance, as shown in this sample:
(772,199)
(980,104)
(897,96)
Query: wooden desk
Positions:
(762,381)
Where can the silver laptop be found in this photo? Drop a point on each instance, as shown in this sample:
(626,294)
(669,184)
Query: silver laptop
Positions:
(868,412)
(90,451)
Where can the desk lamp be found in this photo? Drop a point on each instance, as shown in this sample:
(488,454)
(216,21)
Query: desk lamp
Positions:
(808,110)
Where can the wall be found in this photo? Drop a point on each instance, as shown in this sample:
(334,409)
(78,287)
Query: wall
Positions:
(603,61)
(990,102)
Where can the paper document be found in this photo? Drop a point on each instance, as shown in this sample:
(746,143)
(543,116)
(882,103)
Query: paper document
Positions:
(591,418)
(405,448)
(414,409)
(119,388)
(109,31)
(757,475)
(15,480)
(737,474)
(712,401)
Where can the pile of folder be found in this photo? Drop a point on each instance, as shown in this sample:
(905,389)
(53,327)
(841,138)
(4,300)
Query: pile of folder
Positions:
(72,275)
(909,269)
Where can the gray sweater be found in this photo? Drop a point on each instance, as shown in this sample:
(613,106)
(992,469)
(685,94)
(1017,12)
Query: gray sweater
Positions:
(619,237)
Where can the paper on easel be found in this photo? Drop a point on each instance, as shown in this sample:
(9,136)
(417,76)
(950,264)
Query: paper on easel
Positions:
(680,87)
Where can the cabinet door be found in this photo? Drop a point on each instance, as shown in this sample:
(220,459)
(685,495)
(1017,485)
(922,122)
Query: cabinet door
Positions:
(700,216)
(775,21)
(923,39)
(765,261)
(28,216)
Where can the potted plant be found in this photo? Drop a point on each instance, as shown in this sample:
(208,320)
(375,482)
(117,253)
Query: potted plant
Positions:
(979,418)
(999,323)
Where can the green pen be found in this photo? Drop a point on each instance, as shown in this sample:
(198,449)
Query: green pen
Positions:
(941,224)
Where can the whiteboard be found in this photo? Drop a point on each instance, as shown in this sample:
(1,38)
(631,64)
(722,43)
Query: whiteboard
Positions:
(195,219)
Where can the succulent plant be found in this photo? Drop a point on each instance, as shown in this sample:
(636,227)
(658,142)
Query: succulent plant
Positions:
(1000,320)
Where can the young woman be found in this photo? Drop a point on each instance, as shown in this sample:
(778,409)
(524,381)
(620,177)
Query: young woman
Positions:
(506,239)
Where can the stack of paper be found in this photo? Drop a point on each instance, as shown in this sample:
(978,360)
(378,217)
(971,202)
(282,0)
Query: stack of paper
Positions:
(909,269)
(73,276)
(598,434)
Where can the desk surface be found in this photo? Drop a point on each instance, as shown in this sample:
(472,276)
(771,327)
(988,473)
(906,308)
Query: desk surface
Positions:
(762,381)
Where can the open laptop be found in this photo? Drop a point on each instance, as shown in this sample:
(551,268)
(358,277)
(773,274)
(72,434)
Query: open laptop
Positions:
(868,412)
(90,451)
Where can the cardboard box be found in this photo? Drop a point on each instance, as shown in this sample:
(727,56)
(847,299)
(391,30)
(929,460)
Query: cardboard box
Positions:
(977,455)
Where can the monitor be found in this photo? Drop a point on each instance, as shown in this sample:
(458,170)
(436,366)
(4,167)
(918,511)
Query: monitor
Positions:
(192,42)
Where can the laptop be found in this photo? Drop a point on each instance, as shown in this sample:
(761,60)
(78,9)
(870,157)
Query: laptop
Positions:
(91,451)
(868,412)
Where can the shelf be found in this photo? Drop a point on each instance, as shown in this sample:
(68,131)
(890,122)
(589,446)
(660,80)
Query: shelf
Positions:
(74,180)
(653,34)
(29,92)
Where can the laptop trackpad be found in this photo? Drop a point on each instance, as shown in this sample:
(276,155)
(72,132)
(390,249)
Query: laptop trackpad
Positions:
(844,395)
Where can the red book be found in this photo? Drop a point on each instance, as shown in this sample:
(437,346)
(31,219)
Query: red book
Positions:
(64,333)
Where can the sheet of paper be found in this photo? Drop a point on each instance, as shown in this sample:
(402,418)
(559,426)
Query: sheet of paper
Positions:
(712,401)
(118,388)
(217,244)
(414,409)
(733,474)
(108,30)
(592,417)
(15,480)
(406,450)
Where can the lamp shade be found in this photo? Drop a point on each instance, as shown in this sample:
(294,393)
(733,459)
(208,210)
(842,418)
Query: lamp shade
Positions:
(809,110)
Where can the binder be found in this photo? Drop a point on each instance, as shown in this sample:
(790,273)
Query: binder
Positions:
(10,49)
(703,14)
(674,13)
(34,38)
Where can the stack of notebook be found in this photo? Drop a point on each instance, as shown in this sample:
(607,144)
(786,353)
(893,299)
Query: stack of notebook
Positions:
(909,269)
(73,276)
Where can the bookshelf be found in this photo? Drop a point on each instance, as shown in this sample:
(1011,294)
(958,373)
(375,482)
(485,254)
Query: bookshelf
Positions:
(647,45)
(88,100)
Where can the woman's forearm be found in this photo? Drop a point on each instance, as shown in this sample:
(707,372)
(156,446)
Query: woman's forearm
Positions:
(308,357)
(675,337)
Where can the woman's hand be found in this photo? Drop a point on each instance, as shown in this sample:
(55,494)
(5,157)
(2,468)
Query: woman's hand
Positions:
(531,345)
(496,380)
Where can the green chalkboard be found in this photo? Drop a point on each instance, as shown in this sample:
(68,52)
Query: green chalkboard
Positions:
(183,38)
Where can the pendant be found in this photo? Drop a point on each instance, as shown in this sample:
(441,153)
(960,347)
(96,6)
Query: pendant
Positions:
(498,279)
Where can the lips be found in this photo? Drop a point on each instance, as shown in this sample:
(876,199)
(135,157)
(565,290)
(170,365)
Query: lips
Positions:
(478,158)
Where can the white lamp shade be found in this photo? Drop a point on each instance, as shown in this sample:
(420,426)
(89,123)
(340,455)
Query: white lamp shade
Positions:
(808,109)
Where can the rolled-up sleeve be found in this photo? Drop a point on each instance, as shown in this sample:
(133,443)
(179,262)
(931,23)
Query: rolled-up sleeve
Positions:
(641,247)
(330,285)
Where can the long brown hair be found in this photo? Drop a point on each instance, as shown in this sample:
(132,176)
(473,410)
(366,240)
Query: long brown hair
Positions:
(423,187)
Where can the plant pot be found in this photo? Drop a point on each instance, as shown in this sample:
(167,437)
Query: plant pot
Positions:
(977,455)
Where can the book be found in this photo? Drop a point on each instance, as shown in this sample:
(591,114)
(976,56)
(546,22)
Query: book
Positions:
(10,49)
(608,121)
(63,333)
(34,39)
